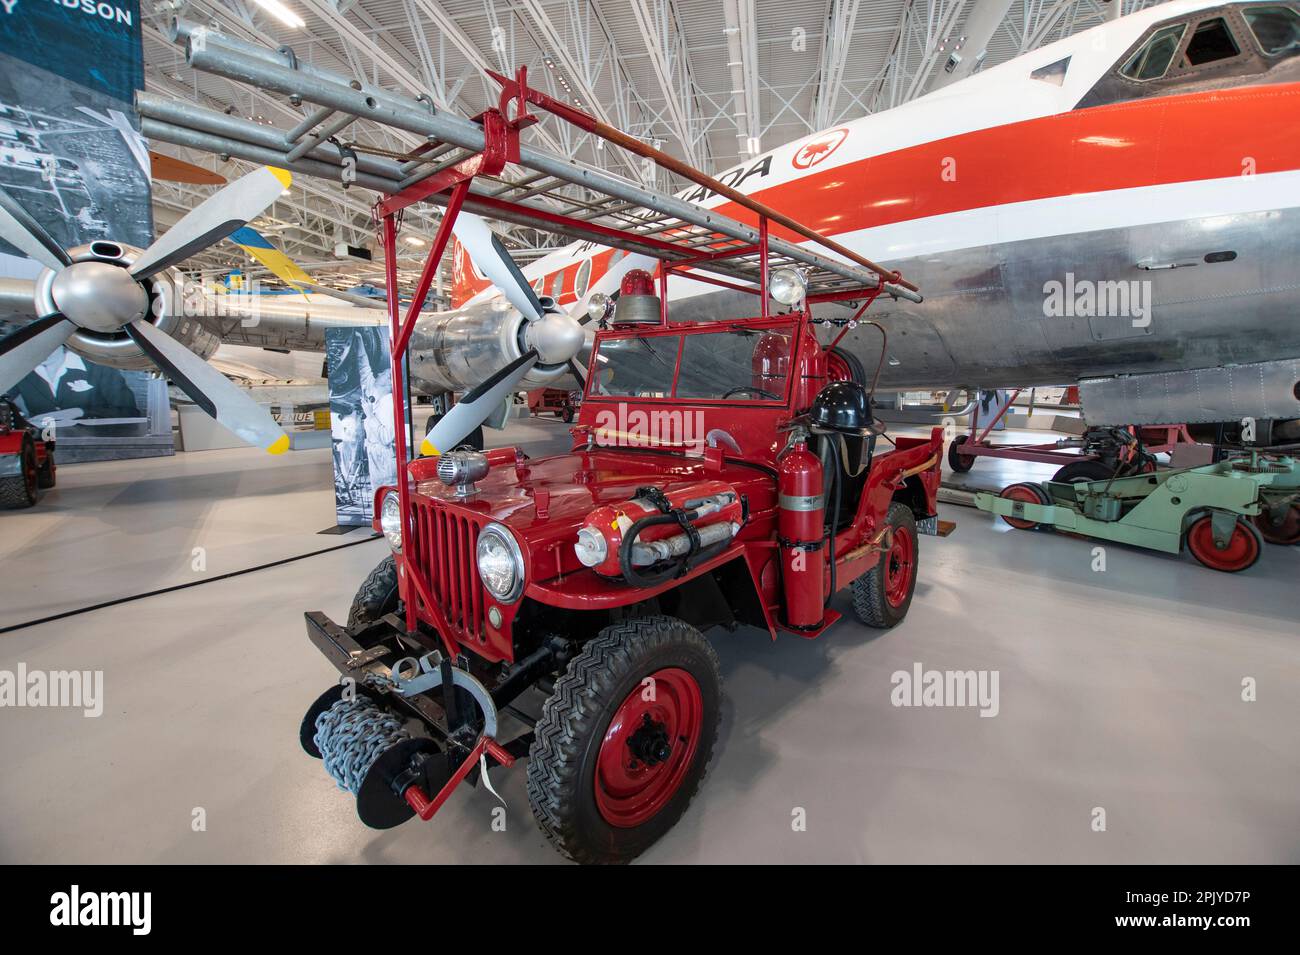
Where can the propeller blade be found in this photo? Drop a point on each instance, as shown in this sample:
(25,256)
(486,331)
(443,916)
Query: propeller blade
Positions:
(608,284)
(490,256)
(23,350)
(17,297)
(215,218)
(209,389)
(18,228)
(472,410)
(580,372)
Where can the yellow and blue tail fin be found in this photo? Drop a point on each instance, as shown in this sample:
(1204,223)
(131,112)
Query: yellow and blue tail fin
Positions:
(284,268)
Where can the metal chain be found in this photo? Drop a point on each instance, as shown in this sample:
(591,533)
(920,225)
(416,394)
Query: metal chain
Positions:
(351,735)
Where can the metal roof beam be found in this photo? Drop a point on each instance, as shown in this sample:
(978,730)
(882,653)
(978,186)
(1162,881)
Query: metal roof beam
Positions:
(981,23)
(742,52)
(655,44)
(837,42)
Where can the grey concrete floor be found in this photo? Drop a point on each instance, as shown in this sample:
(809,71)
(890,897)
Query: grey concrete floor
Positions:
(1118,689)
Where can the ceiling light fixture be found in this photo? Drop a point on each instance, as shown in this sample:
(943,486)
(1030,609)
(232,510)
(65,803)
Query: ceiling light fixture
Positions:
(282,13)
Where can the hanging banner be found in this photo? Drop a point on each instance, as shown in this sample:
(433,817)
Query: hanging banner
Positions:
(72,156)
(361,418)
(70,149)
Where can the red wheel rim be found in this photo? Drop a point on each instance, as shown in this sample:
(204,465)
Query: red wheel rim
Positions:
(899,565)
(1288,532)
(648,748)
(1241,552)
(1019,492)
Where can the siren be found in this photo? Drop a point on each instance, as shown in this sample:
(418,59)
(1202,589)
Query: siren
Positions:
(637,301)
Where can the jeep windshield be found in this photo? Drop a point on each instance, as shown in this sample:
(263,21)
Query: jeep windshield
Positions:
(747,362)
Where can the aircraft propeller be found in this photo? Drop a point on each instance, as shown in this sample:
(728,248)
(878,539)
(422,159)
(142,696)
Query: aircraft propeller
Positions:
(105,298)
(553,336)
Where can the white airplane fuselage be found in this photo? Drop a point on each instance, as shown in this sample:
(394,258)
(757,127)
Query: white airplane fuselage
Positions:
(1064,221)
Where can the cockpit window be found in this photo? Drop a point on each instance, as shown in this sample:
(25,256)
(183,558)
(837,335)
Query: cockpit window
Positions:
(1277,29)
(1211,42)
(584,276)
(1152,61)
(1053,73)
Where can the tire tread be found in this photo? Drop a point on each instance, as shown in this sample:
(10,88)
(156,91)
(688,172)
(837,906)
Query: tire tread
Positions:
(868,591)
(571,713)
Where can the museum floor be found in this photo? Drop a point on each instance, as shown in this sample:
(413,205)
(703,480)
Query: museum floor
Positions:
(1120,690)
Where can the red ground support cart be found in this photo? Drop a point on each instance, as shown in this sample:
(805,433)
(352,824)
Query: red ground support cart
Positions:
(721,473)
(557,401)
(26,459)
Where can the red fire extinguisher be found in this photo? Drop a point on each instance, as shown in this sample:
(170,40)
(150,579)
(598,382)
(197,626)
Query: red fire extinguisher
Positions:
(801,510)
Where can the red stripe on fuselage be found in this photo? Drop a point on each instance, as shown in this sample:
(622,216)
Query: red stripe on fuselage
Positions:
(1148,142)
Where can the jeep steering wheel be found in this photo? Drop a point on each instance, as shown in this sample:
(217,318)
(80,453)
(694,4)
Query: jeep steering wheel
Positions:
(753,391)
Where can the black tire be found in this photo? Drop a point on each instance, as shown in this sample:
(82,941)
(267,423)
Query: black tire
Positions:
(871,603)
(474,439)
(566,414)
(1080,471)
(45,474)
(20,491)
(577,716)
(958,462)
(377,595)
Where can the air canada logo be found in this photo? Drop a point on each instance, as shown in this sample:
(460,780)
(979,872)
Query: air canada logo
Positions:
(818,148)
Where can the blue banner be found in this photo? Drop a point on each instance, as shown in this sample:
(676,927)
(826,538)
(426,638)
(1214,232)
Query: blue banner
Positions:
(92,43)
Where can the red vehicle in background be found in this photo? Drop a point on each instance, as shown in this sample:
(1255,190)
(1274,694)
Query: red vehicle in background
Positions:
(721,474)
(557,401)
(26,459)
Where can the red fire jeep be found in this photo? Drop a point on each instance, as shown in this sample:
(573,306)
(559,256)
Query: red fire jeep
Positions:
(26,459)
(718,477)
(723,473)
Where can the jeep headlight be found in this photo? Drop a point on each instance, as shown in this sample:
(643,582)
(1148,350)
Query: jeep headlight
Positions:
(788,286)
(500,563)
(390,519)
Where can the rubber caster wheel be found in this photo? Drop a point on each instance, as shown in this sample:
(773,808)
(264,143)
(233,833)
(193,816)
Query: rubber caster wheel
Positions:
(1287,533)
(1029,494)
(1242,550)
(958,462)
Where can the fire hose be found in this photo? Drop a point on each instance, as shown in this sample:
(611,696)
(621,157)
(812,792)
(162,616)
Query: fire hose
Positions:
(700,544)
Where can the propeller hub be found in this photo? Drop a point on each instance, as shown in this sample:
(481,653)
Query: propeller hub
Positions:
(99,296)
(557,338)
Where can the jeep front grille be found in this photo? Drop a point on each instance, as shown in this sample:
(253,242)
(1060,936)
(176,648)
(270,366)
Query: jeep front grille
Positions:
(446,540)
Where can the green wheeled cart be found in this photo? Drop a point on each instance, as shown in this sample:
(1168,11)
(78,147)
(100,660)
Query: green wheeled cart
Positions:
(1223,512)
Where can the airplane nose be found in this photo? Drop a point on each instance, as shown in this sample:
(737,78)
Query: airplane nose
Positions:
(557,338)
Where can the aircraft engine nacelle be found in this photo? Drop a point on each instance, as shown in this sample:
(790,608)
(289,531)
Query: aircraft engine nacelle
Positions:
(174,305)
(455,351)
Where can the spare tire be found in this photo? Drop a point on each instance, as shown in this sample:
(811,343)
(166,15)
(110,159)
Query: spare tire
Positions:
(851,363)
